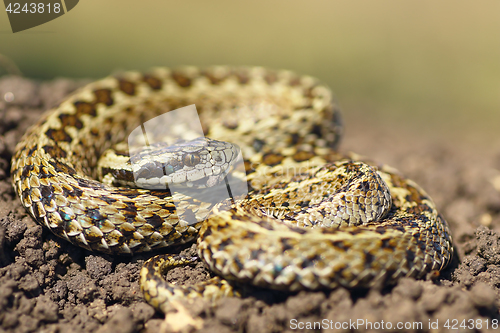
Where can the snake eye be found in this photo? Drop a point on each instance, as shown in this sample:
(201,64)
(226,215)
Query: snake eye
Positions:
(191,159)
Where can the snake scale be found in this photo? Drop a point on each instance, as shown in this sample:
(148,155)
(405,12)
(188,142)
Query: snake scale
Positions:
(313,218)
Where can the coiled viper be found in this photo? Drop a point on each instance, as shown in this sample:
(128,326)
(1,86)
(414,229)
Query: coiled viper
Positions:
(382,226)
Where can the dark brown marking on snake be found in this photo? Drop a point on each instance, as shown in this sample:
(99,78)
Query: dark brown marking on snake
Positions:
(163,194)
(386,244)
(303,119)
(84,108)
(119,174)
(417,210)
(271,77)
(90,183)
(258,144)
(365,186)
(54,219)
(61,167)
(286,244)
(380,230)
(78,192)
(298,230)
(215,80)
(397,181)
(294,81)
(356,231)
(238,263)
(254,254)
(181,79)
(295,139)
(413,196)
(47,192)
(316,129)
(399,227)
(70,120)
(55,151)
(152,81)
(91,237)
(39,211)
(130,216)
(68,191)
(224,243)
(230,124)
(27,170)
(302,156)
(26,196)
(418,238)
(155,220)
(410,257)
(242,76)
(127,192)
(266,225)
(46,173)
(308,262)
(207,232)
(108,199)
(58,135)
(126,229)
(32,150)
(369,258)
(272,159)
(304,204)
(338,244)
(250,234)
(108,135)
(103,96)
(127,87)
(309,91)
(94,214)
(94,132)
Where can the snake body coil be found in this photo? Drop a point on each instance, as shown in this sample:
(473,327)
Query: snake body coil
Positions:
(313,218)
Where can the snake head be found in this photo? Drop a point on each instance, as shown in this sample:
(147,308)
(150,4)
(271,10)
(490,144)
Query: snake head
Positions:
(197,163)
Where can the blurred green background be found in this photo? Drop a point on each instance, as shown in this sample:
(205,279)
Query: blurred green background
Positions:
(432,64)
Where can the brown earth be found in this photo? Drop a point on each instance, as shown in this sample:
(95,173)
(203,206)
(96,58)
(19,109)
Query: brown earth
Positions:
(49,285)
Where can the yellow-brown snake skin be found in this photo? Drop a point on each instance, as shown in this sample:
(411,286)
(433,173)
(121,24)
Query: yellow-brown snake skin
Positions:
(313,219)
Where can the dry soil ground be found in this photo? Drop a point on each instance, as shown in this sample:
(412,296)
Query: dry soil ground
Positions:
(48,285)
